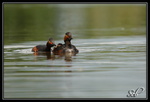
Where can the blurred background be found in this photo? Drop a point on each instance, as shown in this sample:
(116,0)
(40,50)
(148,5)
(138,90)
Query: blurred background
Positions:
(36,22)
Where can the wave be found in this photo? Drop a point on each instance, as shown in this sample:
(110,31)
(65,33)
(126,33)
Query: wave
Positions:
(16,46)
(119,42)
(87,45)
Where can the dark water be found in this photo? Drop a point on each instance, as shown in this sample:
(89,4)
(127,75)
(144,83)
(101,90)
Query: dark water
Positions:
(111,39)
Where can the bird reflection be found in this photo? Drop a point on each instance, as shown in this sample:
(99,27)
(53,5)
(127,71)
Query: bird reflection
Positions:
(47,54)
(67,56)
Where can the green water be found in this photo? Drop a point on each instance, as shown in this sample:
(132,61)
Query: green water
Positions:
(111,39)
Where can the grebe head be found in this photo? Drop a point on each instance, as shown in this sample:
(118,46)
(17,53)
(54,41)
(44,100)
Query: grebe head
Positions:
(50,43)
(68,36)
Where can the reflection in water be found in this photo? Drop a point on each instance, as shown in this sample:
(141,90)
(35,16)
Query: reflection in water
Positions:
(67,56)
(47,54)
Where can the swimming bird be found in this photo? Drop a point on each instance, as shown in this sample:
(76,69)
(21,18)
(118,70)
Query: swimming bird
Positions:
(67,47)
(44,48)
